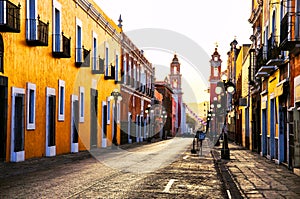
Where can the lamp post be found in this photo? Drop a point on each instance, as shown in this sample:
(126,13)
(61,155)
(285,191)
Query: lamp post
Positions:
(116,96)
(226,86)
(164,118)
(148,111)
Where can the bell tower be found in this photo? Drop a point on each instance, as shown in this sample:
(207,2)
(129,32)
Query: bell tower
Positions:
(215,73)
(175,82)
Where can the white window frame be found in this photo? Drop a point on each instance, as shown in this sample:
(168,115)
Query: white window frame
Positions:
(61,102)
(129,68)
(19,155)
(81,104)
(106,64)
(78,23)
(56,5)
(125,69)
(28,17)
(94,59)
(108,109)
(30,87)
(117,65)
(118,112)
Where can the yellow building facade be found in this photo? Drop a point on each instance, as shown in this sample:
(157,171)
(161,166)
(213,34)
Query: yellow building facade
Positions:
(61,63)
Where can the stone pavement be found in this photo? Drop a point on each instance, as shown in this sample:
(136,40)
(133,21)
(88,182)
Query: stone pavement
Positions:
(190,176)
(248,175)
(81,176)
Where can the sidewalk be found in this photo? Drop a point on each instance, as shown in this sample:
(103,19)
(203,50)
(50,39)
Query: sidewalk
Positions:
(255,176)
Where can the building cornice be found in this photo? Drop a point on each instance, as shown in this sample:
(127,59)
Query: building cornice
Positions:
(99,18)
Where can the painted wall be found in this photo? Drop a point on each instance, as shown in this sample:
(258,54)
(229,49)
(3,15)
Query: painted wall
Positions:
(36,65)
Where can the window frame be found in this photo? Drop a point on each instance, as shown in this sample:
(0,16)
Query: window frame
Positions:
(78,42)
(61,100)
(106,55)
(56,6)
(108,109)
(28,17)
(117,66)
(94,50)
(30,87)
(81,104)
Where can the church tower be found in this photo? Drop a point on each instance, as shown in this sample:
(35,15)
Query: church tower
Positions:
(215,77)
(215,73)
(175,82)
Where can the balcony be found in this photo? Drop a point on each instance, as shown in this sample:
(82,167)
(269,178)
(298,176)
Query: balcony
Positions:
(110,74)
(273,49)
(265,71)
(61,46)
(99,65)
(289,41)
(9,17)
(37,32)
(82,57)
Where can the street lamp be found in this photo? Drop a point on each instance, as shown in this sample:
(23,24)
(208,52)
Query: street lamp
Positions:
(164,118)
(225,86)
(116,96)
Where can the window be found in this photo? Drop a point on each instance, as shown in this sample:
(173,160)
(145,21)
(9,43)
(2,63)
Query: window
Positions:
(78,56)
(56,26)
(31,100)
(94,64)
(31,19)
(108,110)
(81,105)
(297,21)
(117,68)
(118,111)
(61,100)
(106,60)
(124,70)
(216,72)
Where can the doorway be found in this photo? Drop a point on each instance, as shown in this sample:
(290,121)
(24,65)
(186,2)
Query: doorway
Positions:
(50,122)
(94,116)
(3,117)
(74,123)
(17,125)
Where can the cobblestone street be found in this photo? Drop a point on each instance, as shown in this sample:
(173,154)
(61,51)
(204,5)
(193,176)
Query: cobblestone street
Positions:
(82,176)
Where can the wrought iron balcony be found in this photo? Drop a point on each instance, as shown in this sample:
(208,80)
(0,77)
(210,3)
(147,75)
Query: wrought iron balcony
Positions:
(98,68)
(288,40)
(61,46)
(82,57)
(9,17)
(37,32)
(110,74)
(273,49)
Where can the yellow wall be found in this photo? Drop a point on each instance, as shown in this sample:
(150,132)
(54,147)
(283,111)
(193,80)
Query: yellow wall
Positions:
(273,81)
(24,64)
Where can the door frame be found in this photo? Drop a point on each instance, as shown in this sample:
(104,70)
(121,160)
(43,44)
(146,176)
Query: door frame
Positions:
(18,155)
(74,145)
(104,125)
(3,84)
(50,150)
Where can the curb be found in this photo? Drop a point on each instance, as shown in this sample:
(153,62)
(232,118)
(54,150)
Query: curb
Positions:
(230,186)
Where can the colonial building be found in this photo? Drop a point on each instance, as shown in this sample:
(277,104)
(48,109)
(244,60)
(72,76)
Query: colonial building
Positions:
(59,64)
(273,79)
(164,88)
(137,90)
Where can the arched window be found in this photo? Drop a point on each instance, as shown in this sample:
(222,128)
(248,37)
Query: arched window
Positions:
(1,54)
